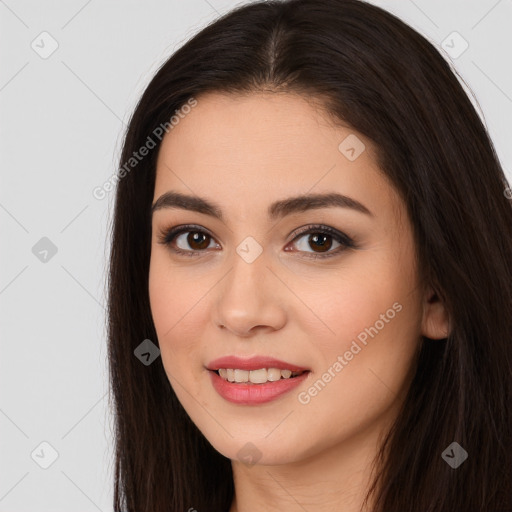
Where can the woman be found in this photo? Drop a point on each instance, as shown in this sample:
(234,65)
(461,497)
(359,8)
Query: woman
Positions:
(315,239)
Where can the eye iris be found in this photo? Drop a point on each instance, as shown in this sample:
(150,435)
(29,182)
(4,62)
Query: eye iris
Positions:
(316,237)
(194,237)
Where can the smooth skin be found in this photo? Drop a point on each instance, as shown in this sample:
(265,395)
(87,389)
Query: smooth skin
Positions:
(243,152)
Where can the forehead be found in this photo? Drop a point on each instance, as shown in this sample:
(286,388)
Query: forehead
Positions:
(245,149)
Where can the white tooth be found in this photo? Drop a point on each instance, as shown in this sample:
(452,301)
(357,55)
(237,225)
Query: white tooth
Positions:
(273,374)
(241,375)
(255,376)
(258,376)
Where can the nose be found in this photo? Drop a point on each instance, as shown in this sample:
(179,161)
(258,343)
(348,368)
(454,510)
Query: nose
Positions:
(249,300)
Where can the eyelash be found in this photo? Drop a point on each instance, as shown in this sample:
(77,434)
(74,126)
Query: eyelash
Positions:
(166,237)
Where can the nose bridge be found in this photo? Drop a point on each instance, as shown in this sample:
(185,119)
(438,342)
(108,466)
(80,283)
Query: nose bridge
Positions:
(247,298)
(246,281)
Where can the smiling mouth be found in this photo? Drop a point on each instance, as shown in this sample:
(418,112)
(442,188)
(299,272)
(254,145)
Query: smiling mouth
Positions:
(255,377)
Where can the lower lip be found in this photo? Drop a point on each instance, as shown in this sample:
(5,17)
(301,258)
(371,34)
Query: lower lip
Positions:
(252,394)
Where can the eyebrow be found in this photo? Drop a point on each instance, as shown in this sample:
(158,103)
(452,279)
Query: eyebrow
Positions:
(276,210)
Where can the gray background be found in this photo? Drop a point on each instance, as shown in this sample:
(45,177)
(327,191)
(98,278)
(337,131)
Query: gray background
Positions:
(61,119)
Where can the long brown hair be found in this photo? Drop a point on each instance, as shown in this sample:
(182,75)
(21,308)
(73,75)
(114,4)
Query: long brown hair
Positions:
(376,74)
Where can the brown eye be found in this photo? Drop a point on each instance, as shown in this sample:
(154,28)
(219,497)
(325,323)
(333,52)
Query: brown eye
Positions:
(197,240)
(320,241)
(187,240)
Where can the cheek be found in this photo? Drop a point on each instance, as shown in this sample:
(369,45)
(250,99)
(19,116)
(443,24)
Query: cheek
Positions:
(161,299)
(372,321)
(174,293)
(364,367)
(349,304)
(177,309)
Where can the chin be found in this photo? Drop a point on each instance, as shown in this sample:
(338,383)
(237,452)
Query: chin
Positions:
(256,450)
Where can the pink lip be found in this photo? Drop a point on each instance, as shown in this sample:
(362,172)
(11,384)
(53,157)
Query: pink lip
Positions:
(253,394)
(253,363)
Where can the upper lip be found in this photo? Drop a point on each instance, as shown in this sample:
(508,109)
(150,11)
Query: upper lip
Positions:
(253,363)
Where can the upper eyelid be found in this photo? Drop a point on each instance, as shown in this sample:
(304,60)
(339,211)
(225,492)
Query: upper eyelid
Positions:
(302,230)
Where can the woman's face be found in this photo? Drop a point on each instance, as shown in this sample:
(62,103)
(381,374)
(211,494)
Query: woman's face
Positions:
(248,284)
